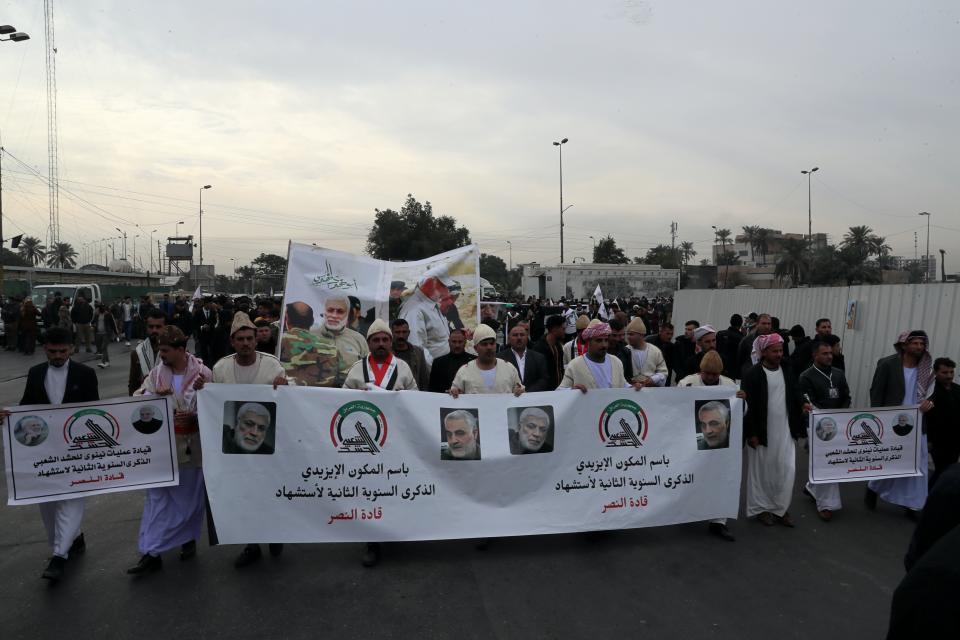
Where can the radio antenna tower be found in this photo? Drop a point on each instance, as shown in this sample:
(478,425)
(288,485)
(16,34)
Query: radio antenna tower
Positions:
(53,233)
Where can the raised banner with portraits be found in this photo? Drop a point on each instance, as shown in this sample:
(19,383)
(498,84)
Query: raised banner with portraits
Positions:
(297,464)
(333,297)
(58,452)
(849,445)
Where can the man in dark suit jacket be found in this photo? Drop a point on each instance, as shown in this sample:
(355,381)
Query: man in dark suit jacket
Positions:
(204,329)
(889,389)
(533,374)
(58,381)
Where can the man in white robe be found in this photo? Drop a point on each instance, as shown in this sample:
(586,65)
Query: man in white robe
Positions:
(488,373)
(648,365)
(595,369)
(381,370)
(248,366)
(711,366)
(904,379)
(774,418)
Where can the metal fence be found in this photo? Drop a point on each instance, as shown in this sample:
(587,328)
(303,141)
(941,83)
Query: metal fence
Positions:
(883,311)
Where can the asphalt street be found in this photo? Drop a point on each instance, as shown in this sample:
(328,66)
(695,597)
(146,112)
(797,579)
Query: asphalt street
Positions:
(819,580)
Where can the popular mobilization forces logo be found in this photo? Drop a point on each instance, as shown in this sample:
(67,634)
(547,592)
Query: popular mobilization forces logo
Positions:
(358,427)
(864,428)
(623,424)
(91,429)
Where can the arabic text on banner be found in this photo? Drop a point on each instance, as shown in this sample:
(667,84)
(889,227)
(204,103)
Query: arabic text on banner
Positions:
(848,445)
(86,448)
(345,465)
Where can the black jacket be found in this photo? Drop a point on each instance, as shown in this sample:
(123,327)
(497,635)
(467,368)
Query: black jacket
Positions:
(887,390)
(816,385)
(444,370)
(535,376)
(754,383)
(728,341)
(81,384)
(554,360)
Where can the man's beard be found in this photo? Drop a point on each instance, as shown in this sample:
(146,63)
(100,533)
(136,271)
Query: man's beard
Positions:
(335,326)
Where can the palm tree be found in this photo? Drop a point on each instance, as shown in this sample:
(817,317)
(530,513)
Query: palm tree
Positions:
(724,236)
(860,241)
(794,261)
(687,251)
(32,250)
(62,255)
(763,243)
(750,232)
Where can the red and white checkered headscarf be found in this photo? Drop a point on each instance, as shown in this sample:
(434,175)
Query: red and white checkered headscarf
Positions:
(761,343)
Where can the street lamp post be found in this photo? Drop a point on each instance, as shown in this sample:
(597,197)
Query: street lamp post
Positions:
(559,146)
(594,258)
(809,175)
(150,248)
(124,236)
(135,251)
(926,257)
(510,244)
(15,36)
(206,186)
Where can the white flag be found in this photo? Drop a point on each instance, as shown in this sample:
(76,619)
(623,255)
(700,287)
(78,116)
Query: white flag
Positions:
(598,296)
(197,295)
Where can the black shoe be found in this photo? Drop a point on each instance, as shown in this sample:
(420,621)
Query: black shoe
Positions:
(276,548)
(79,546)
(870,499)
(54,570)
(371,557)
(188,550)
(147,564)
(250,554)
(721,531)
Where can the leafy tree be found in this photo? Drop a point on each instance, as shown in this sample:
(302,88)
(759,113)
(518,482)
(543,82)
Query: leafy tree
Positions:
(269,264)
(32,250)
(413,233)
(62,255)
(11,259)
(794,262)
(607,252)
(495,270)
(663,255)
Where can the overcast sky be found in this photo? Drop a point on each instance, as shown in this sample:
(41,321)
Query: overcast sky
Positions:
(305,116)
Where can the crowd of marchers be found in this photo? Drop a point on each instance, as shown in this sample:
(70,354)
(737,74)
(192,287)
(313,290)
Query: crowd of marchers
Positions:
(516,348)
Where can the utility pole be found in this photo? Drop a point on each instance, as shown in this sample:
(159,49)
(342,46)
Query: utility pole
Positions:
(559,146)
(673,240)
(809,175)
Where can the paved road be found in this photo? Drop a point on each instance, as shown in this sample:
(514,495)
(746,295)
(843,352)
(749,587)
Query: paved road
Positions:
(816,581)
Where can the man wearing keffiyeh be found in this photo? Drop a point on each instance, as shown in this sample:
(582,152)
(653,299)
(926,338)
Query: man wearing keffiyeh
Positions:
(904,379)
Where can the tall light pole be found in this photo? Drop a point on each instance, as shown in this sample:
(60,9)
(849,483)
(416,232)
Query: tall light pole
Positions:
(150,248)
(510,244)
(559,146)
(135,251)
(204,187)
(594,258)
(809,175)
(124,236)
(926,257)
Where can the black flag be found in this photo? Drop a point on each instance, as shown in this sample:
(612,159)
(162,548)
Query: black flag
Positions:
(15,241)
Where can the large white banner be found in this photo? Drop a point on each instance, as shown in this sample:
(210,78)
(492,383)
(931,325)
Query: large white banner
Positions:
(327,291)
(336,465)
(849,445)
(58,452)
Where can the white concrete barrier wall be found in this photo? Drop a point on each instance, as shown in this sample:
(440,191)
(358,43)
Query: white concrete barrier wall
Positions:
(883,312)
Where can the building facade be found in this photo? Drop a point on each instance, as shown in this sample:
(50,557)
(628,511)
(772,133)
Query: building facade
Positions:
(580,280)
